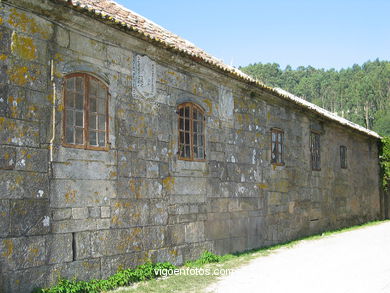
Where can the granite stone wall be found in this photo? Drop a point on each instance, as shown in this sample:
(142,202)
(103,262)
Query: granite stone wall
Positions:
(88,213)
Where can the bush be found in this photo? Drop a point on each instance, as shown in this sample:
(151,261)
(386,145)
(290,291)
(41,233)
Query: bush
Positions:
(385,161)
(126,277)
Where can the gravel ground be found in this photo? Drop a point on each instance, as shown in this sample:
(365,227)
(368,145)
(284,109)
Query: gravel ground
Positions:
(350,262)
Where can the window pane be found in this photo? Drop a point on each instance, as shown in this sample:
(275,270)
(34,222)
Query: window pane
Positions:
(102,93)
(69,100)
(195,152)
(187,124)
(79,136)
(79,119)
(187,138)
(195,114)
(273,136)
(195,126)
(101,106)
(69,118)
(92,121)
(200,153)
(79,102)
(92,105)
(187,151)
(69,135)
(181,124)
(102,122)
(181,137)
(181,111)
(92,87)
(187,112)
(102,139)
(70,83)
(79,84)
(92,138)
(195,140)
(200,116)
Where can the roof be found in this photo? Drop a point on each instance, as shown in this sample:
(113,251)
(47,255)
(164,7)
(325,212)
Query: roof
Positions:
(119,16)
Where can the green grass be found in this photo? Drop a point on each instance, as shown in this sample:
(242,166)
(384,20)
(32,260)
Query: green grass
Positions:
(198,283)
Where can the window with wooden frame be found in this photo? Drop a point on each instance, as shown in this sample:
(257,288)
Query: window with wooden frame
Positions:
(343,157)
(86,112)
(277,146)
(191,126)
(315,151)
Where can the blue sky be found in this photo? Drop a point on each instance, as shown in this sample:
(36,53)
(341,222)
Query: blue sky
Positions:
(320,33)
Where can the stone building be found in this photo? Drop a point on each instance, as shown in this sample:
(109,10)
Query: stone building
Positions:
(121,142)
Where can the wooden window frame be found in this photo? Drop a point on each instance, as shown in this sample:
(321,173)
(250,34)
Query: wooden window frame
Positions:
(312,154)
(343,157)
(86,145)
(198,108)
(278,131)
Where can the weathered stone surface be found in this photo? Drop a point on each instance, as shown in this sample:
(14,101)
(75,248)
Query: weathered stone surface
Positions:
(19,133)
(29,217)
(4,218)
(18,185)
(7,157)
(81,193)
(137,201)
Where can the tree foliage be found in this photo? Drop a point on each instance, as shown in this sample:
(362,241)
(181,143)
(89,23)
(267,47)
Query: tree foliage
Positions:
(360,93)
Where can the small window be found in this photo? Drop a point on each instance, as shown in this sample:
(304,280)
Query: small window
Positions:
(85,113)
(277,146)
(191,132)
(343,157)
(315,151)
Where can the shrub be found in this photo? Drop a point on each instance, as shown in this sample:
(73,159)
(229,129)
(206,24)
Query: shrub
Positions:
(126,277)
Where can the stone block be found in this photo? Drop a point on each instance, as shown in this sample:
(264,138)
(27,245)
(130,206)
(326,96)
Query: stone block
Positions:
(84,169)
(154,237)
(129,213)
(94,212)
(158,213)
(216,229)
(78,193)
(29,217)
(113,264)
(175,235)
(7,157)
(71,225)
(152,169)
(130,165)
(116,241)
(19,133)
(105,212)
(61,214)
(4,218)
(28,159)
(194,232)
(80,213)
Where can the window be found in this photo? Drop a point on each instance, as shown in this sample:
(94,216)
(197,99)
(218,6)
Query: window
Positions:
(277,146)
(315,151)
(191,132)
(343,157)
(85,113)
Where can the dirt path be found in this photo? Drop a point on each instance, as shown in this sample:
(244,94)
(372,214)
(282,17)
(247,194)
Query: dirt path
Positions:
(350,262)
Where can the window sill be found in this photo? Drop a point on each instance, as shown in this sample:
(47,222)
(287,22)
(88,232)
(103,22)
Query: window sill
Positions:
(84,147)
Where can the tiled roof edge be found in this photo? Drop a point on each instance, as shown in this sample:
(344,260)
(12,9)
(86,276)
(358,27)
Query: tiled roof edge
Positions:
(216,64)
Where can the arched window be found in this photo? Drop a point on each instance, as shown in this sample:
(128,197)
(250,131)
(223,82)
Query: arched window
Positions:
(191,132)
(85,112)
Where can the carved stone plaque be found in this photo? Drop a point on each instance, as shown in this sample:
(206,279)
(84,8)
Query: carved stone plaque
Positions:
(144,77)
(226,103)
